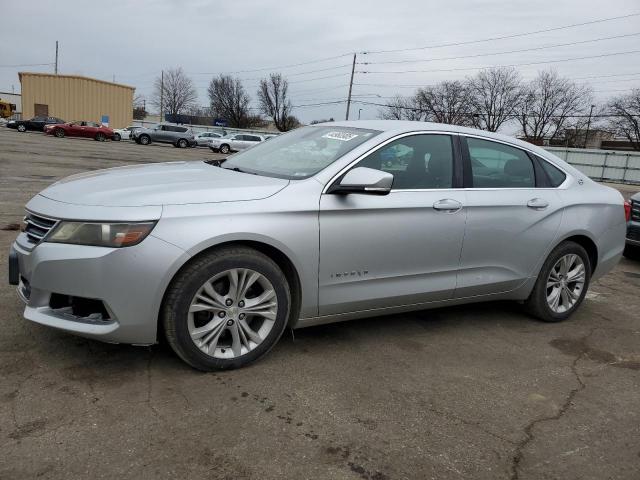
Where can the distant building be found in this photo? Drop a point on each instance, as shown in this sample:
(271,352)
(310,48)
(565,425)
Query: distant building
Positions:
(73,97)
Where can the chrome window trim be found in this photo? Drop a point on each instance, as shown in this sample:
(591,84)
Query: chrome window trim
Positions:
(562,186)
(386,142)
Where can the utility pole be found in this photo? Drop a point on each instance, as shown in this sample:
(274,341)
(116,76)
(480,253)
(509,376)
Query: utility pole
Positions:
(161,94)
(56,67)
(586,135)
(353,70)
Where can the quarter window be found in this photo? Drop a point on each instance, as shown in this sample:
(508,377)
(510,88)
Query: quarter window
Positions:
(416,161)
(495,165)
(556,176)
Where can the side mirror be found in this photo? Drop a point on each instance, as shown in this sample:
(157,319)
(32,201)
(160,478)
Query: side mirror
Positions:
(364,180)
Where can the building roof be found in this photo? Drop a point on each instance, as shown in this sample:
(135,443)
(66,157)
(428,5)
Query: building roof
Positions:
(77,77)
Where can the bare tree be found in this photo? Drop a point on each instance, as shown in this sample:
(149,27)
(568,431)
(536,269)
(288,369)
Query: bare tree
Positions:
(176,93)
(402,108)
(274,101)
(446,102)
(494,96)
(625,119)
(549,103)
(139,107)
(229,100)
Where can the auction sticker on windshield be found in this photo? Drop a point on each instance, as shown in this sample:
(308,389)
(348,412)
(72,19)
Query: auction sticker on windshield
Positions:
(344,136)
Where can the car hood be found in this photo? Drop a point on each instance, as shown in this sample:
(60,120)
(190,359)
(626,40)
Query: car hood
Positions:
(162,184)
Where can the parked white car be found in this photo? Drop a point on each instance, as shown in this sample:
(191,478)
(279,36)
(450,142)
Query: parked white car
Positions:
(203,139)
(235,142)
(123,133)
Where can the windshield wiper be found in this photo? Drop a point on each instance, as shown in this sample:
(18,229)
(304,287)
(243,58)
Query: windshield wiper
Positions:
(237,169)
(217,162)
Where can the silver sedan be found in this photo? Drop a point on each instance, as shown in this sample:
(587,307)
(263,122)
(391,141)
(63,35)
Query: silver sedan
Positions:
(326,223)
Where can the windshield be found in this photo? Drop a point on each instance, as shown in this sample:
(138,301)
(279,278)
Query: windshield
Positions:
(301,153)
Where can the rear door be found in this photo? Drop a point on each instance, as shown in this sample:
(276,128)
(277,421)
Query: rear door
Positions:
(397,249)
(513,215)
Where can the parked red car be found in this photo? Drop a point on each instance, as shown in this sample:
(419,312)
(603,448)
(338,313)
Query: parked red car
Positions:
(80,129)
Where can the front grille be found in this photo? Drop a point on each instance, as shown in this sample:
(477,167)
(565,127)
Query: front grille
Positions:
(635,210)
(36,227)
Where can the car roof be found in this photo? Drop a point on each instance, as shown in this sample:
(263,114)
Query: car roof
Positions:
(396,127)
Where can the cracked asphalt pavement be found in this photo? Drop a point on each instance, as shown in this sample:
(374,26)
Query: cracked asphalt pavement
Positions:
(479,391)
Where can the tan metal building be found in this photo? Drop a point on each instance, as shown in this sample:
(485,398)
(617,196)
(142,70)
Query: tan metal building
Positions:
(73,97)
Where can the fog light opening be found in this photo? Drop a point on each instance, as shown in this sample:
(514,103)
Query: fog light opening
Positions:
(84,308)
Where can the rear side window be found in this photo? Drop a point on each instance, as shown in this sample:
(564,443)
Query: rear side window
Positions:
(556,176)
(495,165)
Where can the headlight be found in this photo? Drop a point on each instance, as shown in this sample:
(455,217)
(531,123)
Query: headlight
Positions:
(100,234)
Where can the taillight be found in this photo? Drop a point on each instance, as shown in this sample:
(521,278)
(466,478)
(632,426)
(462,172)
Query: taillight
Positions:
(627,210)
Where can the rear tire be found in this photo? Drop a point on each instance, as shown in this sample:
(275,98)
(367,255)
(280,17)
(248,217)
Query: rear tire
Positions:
(22,128)
(224,310)
(224,148)
(551,285)
(59,133)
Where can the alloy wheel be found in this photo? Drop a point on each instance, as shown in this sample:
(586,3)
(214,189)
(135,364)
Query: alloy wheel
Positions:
(565,283)
(232,313)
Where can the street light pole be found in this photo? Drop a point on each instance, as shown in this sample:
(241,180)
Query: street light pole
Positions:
(359,111)
(586,135)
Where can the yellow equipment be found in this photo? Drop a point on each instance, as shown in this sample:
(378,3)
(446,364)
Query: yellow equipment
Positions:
(6,109)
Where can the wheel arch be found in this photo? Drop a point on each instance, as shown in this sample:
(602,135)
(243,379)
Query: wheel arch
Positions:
(276,254)
(586,242)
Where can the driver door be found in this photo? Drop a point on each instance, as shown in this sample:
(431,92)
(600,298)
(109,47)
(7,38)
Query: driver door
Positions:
(403,248)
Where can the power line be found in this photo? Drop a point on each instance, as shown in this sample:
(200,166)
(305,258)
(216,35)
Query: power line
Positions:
(508,65)
(288,74)
(531,49)
(503,37)
(28,65)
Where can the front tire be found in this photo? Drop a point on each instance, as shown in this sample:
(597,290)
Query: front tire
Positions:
(182,143)
(226,309)
(144,140)
(59,133)
(562,283)
(116,137)
(100,137)
(22,128)
(224,148)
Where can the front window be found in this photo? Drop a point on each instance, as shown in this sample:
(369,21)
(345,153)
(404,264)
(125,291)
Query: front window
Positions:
(301,153)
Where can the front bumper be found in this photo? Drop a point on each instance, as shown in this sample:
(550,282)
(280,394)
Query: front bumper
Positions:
(130,283)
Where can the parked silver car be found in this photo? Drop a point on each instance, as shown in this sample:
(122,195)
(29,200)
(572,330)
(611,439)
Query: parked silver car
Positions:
(204,139)
(235,142)
(177,135)
(322,224)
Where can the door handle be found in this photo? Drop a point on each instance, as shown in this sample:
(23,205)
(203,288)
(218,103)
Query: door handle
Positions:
(537,204)
(448,205)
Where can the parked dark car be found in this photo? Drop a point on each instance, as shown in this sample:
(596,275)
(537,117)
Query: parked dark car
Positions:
(80,129)
(36,124)
(632,247)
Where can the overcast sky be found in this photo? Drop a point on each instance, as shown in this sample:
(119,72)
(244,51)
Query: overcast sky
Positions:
(134,41)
